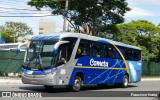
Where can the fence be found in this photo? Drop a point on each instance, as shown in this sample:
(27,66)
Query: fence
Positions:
(150,69)
(10,62)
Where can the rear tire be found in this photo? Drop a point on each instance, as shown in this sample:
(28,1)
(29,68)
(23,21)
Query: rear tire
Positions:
(125,81)
(77,84)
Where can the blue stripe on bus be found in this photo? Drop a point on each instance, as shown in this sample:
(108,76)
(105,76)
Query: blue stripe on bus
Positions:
(38,72)
(118,43)
(44,37)
(99,75)
(103,41)
(105,71)
(95,61)
(112,76)
(119,51)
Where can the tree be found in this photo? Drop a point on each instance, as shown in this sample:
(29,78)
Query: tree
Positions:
(1,28)
(8,35)
(87,12)
(107,30)
(143,34)
(20,29)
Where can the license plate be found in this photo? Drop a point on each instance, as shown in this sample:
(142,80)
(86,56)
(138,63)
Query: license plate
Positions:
(33,81)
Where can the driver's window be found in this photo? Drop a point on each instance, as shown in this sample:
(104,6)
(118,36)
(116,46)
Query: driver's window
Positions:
(65,50)
(63,54)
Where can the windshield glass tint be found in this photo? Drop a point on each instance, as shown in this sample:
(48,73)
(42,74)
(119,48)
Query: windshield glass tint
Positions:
(40,54)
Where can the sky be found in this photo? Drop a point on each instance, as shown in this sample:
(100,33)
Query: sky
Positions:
(141,9)
(20,8)
(144,9)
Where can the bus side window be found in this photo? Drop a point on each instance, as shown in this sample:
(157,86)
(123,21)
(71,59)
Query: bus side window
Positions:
(79,52)
(117,54)
(111,53)
(94,50)
(122,50)
(102,52)
(139,55)
(83,49)
(63,53)
(128,54)
(136,55)
(71,44)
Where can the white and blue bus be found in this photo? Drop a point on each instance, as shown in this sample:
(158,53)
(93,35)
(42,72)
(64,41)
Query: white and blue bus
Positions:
(75,59)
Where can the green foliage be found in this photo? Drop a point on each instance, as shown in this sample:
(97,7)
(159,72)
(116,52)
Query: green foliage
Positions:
(21,29)
(103,30)
(1,28)
(87,12)
(18,28)
(8,35)
(143,34)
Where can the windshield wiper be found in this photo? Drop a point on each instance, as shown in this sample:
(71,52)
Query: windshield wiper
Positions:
(40,63)
(31,60)
(37,61)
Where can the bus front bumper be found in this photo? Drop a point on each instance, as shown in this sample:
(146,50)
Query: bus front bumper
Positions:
(49,79)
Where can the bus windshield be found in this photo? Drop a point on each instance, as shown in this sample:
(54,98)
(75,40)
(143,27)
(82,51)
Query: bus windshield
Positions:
(40,54)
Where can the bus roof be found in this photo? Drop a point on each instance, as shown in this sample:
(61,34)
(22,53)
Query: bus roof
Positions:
(80,35)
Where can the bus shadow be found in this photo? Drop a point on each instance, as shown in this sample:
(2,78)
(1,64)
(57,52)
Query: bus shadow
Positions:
(107,87)
(43,89)
(63,89)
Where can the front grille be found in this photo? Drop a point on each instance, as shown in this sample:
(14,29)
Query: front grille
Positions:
(34,76)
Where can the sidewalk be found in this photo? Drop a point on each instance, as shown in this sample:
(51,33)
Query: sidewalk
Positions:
(18,80)
(8,80)
(150,79)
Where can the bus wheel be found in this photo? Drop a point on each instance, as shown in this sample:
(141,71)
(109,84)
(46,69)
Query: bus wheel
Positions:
(48,87)
(77,84)
(125,81)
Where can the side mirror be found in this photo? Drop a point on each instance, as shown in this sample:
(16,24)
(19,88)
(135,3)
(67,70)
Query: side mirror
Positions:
(56,46)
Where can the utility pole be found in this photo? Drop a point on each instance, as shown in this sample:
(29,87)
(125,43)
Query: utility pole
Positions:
(65,15)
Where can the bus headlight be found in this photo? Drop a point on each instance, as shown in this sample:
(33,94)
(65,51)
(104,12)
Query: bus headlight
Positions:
(51,73)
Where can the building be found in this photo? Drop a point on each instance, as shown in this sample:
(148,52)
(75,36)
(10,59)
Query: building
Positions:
(46,27)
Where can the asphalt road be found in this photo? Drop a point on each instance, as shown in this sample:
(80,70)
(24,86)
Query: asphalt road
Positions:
(88,92)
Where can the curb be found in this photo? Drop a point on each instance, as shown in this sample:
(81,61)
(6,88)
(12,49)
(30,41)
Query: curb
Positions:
(150,79)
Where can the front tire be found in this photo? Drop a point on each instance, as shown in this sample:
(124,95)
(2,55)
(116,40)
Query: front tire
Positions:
(77,84)
(125,81)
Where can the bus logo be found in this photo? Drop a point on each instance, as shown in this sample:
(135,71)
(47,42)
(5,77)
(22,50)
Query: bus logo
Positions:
(98,63)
